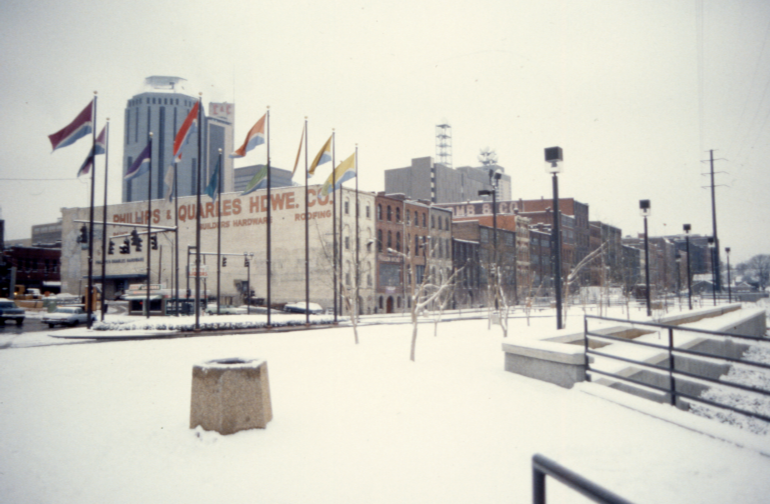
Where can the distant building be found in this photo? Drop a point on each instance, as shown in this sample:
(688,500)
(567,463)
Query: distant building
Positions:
(48,234)
(436,183)
(162,109)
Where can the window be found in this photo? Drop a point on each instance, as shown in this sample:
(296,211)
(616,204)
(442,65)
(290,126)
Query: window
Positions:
(408,240)
(369,279)
(389,213)
(379,240)
(416,245)
(398,214)
(398,241)
(379,212)
(432,221)
(424,220)
(380,303)
(390,240)
(408,217)
(347,242)
(416,219)
(368,216)
(347,208)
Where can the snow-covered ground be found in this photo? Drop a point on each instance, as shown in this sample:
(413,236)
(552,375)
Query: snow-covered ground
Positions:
(109,422)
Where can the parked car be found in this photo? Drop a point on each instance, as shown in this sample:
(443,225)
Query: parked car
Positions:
(9,311)
(299,307)
(211,309)
(67,315)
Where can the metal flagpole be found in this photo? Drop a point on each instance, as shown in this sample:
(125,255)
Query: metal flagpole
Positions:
(334,223)
(176,240)
(219,226)
(90,293)
(104,212)
(198,221)
(307,235)
(358,265)
(149,221)
(269,205)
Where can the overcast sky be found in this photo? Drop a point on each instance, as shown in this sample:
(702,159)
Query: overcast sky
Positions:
(635,92)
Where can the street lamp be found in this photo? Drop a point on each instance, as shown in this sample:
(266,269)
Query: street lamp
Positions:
(689,276)
(644,210)
(554,161)
(729,288)
(678,259)
(493,193)
(712,246)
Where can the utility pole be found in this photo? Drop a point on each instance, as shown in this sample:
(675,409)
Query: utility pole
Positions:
(715,251)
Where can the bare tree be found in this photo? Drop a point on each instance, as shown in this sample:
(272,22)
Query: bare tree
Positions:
(759,269)
(573,275)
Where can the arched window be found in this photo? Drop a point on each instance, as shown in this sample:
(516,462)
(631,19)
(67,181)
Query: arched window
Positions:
(390,215)
(390,240)
(398,214)
(379,241)
(379,217)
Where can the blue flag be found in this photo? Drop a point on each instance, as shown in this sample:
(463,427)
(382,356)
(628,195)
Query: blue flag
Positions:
(141,164)
(213,188)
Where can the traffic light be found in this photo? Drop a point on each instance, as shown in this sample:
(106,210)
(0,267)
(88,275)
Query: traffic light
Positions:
(125,248)
(111,249)
(245,262)
(224,262)
(154,242)
(83,237)
(136,241)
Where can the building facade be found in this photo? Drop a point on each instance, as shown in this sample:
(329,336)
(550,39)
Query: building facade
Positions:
(243,231)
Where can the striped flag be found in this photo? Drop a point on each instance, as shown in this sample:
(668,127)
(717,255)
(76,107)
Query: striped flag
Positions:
(169,182)
(100,148)
(323,156)
(253,184)
(255,137)
(141,164)
(345,171)
(77,129)
(186,131)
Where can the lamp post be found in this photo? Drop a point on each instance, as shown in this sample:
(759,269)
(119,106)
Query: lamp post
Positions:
(729,288)
(689,276)
(712,247)
(678,260)
(554,161)
(644,210)
(493,193)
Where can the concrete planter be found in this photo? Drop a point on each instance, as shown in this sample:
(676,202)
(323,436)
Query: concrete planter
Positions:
(230,395)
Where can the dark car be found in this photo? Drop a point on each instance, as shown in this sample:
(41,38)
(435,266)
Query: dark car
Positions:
(9,311)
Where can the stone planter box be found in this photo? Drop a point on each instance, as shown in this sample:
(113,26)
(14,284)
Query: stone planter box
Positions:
(230,395)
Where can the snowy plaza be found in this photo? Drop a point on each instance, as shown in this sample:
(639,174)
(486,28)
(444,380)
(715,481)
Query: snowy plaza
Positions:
(96,422)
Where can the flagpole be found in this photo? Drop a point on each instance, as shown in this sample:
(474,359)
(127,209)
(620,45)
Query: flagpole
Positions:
(104,213)
(89,294)
(198,223)
(358,266)
(342,238)
(219,225)
(307,235)
(334,222)
(269,205)
(176,241)
(149,221)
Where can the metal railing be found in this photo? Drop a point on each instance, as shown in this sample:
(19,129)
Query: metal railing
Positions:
(542,466)
(669,368)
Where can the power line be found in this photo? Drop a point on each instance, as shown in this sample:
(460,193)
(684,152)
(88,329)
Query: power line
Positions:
(37,179)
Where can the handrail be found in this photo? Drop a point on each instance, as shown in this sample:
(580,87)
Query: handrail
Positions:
(542,466)
(673,373)
(678,328)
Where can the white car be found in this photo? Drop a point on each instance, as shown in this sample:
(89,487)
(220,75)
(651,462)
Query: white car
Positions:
(67,315)
(299,307)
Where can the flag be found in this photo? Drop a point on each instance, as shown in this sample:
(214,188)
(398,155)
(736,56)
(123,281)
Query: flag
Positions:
(77,129)
(213,188)
(140,165)
(299,151)
(169,181)
(185,132)
(253,184)
(323,156)
(255,137)
(100,147)
(345,171)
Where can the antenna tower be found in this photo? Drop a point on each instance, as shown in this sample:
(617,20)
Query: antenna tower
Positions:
(444,144)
